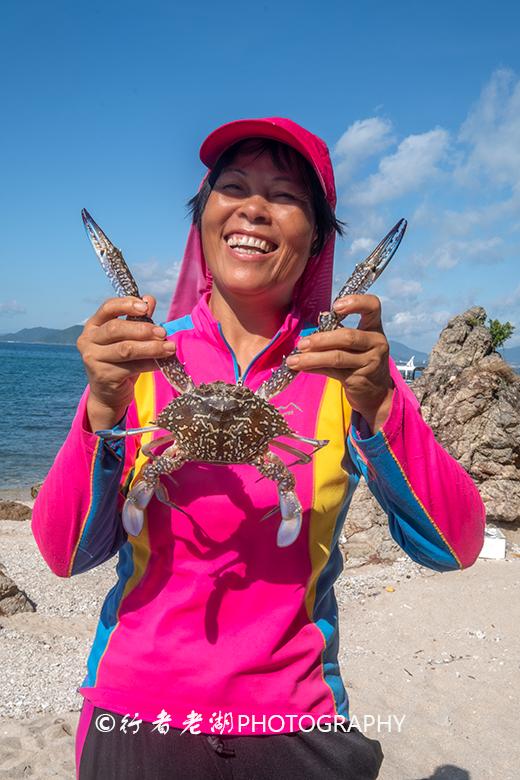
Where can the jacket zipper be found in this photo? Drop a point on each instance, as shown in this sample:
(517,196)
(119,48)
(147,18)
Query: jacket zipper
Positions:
(240,379)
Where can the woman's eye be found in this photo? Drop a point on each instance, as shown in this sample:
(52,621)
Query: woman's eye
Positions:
(285,195)
(231,187)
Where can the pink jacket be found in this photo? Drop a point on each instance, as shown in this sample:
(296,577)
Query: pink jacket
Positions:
(209,615)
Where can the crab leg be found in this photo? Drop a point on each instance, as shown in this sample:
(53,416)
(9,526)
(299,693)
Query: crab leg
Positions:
(316,443)
(115,267)
(120,433)
(149,483)
(289,408)
(270,466)
(146,449)
(302,457)
(364,274)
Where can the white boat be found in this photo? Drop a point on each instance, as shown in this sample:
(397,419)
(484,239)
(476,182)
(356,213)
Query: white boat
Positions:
(409,370)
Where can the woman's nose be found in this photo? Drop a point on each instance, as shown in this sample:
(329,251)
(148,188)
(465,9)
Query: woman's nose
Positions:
(256,209)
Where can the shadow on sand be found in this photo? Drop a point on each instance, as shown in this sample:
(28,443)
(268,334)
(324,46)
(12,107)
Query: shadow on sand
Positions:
(448,772)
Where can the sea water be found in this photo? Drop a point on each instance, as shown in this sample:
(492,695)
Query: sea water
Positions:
(40,386)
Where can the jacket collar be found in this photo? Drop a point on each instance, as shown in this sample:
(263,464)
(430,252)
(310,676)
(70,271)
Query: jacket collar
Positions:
(282,343)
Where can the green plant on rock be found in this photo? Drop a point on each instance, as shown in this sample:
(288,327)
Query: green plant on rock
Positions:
(500,332)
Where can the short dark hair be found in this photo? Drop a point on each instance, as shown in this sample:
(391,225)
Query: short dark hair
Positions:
(285,158)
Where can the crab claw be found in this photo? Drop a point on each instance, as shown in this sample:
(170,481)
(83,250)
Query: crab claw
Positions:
(162,495)
(99,240)
(111,259)
(135,504)
(291,524)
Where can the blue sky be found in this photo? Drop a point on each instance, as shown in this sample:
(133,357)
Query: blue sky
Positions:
(105,105)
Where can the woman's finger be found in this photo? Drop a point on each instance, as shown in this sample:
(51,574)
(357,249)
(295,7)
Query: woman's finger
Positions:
(120,307)
(126,330)
(116,374)
(127,351)
(369,306)
(337,359)
(342,338)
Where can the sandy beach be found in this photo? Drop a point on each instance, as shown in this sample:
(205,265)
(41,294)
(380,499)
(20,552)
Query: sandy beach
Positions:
(431,662)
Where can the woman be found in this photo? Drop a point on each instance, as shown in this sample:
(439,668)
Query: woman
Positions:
(211,629)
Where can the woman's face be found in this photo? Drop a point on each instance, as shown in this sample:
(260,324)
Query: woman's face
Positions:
(257,228)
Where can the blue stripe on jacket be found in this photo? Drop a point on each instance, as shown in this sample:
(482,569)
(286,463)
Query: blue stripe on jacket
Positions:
(409,524)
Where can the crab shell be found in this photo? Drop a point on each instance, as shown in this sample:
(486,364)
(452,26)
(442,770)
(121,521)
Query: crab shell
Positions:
(222,423)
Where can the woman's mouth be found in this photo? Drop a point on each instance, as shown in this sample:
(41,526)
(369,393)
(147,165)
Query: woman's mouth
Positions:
(249,246)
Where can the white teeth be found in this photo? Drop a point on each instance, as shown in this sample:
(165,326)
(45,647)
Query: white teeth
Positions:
(246,250)
(240,240)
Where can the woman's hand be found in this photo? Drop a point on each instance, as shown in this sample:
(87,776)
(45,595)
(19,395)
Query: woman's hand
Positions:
(115,352)
(358,357)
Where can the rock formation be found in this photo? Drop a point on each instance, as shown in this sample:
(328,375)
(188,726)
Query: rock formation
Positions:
(366,537)
(35,489)
(470,397)
(13,510)
(12,599)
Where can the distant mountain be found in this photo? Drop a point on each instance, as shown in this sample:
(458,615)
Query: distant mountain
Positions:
(44,335)
(402,354)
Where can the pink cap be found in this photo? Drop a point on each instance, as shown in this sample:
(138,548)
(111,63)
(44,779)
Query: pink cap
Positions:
(279,129)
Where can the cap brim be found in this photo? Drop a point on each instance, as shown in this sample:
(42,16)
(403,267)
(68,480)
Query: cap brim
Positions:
(223,137)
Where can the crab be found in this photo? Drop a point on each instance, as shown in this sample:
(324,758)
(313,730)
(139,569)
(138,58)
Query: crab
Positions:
(219,422)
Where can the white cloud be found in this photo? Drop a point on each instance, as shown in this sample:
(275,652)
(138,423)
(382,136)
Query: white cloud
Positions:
(460,223)
(364,138)
(483,251)
(492,131)
(486,147)
(412,323)
(369,226)
(403,287)
(360,245)
(507,307)
(153,278)
(513,299)
(11,307)
(461,187)
(416,161)
(157,280)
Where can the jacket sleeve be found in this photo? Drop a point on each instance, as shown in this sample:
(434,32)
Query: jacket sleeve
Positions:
(76,519)
(435,512)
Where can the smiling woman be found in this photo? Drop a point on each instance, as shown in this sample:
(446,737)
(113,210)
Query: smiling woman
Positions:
(262,213)
(213,635)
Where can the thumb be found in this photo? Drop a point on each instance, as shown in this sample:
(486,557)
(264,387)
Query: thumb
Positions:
(371,320)
(152,303)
